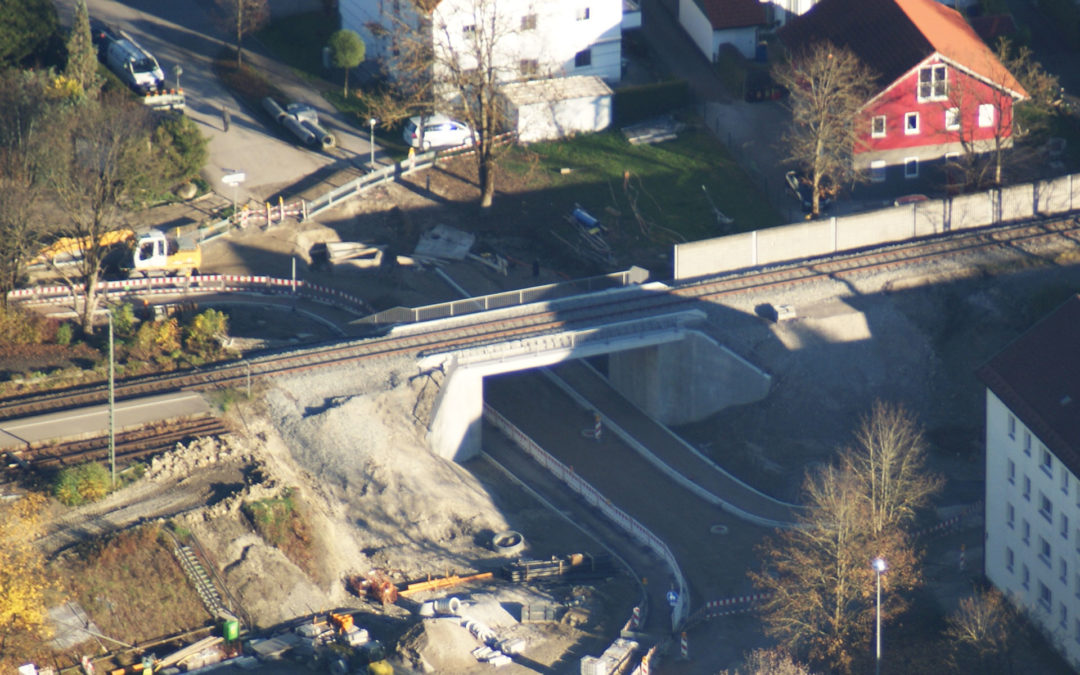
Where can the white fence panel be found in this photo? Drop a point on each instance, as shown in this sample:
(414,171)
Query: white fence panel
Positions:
(971,210)
(708,256)
(1055,196)
(867,229)
(795,241)
(1018,202)
(928,217)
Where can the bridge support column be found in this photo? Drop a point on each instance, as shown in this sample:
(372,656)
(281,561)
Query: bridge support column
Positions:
(686,381)
(454,433)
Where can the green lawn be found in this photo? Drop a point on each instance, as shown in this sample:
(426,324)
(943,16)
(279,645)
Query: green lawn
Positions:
(665,178)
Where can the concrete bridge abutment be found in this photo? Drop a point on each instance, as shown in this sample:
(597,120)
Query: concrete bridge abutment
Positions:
(686,381)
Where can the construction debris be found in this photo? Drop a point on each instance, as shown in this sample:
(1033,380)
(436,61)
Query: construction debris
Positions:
(656,130)
(441,582)
(591,244)
(376,584)
(579,565)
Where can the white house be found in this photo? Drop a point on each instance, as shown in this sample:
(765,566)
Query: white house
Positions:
(530,38)
(1033,474)
(712,23)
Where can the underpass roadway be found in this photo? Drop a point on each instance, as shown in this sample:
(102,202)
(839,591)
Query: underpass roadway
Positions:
(714,547)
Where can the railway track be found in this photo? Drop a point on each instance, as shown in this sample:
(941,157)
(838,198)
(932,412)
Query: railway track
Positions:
(129,446)
(580,312)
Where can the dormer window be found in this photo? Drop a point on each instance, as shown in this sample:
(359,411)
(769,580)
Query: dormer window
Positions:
(932,83)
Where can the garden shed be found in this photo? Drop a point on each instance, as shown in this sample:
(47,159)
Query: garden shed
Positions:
(543,110)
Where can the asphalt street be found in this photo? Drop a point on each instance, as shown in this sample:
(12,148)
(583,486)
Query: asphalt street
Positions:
(187,34)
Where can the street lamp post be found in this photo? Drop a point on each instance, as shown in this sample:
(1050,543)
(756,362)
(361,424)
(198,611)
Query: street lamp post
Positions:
(879,567)
(178,70)
(112,403)
(372,122)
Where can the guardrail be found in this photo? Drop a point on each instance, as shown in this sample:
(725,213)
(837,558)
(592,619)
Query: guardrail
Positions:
(202,284)
(524,296)
(593,497)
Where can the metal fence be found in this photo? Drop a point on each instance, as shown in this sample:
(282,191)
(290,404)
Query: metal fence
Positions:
(442,310)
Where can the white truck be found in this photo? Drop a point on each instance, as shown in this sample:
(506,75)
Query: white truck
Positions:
(135,66)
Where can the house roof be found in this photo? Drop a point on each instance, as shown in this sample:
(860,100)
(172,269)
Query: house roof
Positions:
(1038,378)
(555,89)
(724,14)
(893,36)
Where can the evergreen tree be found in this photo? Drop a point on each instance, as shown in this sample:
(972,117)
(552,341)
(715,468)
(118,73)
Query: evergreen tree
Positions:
(81,56)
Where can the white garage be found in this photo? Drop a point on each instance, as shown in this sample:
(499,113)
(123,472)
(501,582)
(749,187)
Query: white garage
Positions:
(543,110)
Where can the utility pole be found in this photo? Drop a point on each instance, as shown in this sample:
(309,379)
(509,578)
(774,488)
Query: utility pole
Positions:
(112,402)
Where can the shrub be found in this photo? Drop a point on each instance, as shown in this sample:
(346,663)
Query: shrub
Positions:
(80,484)
(157,340)
(203,337)
(181,146)
(64,334)
(20,327)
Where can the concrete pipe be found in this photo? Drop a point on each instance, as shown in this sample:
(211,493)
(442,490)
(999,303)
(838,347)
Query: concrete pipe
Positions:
(276,111)
(508,542)
(298,130)
(324,137)
(448,606)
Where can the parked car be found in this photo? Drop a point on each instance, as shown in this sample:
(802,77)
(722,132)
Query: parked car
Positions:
(439,132)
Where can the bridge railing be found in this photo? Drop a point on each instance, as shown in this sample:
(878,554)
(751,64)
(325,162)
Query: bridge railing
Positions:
(524,296)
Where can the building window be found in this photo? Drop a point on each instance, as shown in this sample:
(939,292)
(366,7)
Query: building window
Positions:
(1027,442)
(986,115)
(1064,615)
(1046,599)
(529,67)
(528,22)
(1010,514)
(1027,488)
(1064,481)
(1012,427)
(1009,559)
(877,171)
(1064,527)
(469,30)
(1046,509)
(1046,462)
(932,83)
(952,119)
(1044,551)
(1025,531)
(1025,576)
(1012,472)
(583,58)
(1063,570)
(911,167)
(911,123)
(877,126)
(583,14)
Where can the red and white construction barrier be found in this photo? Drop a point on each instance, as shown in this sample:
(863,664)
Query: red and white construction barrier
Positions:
(684,648)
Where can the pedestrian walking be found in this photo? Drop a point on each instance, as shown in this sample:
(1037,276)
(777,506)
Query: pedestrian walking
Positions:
(225,117)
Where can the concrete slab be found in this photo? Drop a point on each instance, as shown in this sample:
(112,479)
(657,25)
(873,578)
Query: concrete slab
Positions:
(72,626)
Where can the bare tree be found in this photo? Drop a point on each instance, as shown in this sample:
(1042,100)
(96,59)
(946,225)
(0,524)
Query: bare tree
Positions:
(438,64)
(109,159)
(888,459)
(983,632)
(244,17)
(26,150)
(819,574)
(828,86)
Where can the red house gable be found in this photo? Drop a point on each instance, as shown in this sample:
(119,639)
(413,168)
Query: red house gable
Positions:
(938,80)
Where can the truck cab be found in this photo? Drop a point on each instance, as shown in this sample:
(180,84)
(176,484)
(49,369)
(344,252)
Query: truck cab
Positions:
(155,254)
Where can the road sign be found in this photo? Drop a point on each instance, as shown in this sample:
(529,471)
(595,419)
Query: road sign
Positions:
(234,178)
(673,598)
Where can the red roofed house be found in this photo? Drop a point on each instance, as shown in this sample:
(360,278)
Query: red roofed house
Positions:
(712,23)
(942,92)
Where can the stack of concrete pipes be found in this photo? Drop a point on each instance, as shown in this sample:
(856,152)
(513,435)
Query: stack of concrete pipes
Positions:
(302,121)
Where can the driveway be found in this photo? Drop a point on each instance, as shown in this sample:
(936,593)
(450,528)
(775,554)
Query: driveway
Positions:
(186,33)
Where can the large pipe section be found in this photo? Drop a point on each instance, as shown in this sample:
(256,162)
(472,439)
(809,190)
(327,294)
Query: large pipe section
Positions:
(276,111)
(322,136)
(297,128)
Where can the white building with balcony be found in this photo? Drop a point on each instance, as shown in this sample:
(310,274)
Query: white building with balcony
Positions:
(1033,474)
(528,38)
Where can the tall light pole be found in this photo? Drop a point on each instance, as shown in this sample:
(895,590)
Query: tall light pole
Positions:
(112,403)
(373,122)
(879,568)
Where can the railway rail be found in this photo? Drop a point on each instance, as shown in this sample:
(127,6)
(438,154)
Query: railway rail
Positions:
(129,445)
(577,312)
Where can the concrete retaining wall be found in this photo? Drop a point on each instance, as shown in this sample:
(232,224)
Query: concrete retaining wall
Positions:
(804,240)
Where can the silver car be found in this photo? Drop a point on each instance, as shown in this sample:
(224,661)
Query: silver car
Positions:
(439,132)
